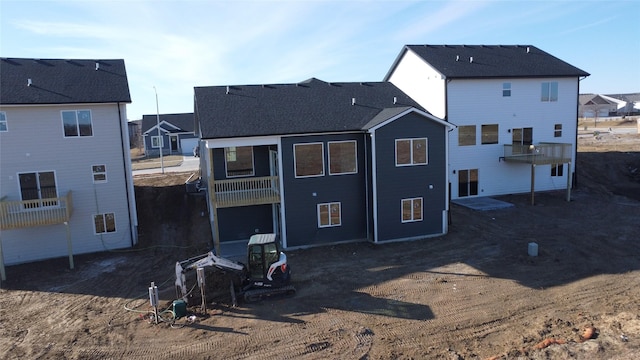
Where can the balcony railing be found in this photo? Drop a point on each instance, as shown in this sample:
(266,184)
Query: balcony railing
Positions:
(539,154)
(247,191)
(16,214)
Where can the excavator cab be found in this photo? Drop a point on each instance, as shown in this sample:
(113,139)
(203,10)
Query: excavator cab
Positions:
(267,265)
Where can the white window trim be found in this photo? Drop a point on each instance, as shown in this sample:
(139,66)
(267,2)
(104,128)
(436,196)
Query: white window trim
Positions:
(226,168)
(295,167)
(506,89)
(42,200)
(94,173)
(411,140)
(421,209)
(77,123)
(156,137)
(548,84)
(329,204)
(95,231)
(5,121)
(355,154)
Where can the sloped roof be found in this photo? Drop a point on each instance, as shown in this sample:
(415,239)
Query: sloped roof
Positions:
(311,106)
(183,121)
(593,99)
(56,81)
(490,61)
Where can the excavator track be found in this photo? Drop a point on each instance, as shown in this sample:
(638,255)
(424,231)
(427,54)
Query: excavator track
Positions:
(260,294)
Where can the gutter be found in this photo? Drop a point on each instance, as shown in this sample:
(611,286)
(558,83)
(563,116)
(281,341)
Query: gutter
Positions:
(128,175)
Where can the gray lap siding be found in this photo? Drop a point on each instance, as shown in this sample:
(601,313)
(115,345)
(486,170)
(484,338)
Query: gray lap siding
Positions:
(394,183)
(302,196)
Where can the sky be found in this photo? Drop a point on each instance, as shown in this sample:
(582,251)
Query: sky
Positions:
(171,46)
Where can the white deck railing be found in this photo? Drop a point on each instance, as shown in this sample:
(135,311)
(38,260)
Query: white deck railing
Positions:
(17,214)
(247,191)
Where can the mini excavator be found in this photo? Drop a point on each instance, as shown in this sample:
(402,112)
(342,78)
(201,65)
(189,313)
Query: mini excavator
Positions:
(266,273)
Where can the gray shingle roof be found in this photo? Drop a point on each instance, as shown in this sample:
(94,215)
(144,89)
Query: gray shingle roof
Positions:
(487,61)
(311,106)
(183,121)
(56,81)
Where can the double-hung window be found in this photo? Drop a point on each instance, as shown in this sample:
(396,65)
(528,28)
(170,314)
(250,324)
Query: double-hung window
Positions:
(329,214)
(342,157)
(549,91)
(490,134)
(239,161)
(104,223)
(3,121)
(557,130)
(506,89)
(412,209)
(411,152)
(77,123)
(466,135)
(308,159)
(99,173)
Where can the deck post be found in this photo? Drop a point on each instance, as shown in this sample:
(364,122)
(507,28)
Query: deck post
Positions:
(3,275)
(533,181)
(569,173)
(214,207)
(66,224)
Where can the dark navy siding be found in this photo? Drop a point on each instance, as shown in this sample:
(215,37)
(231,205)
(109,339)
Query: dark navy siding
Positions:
(397,183)
(302,196)
(239,223)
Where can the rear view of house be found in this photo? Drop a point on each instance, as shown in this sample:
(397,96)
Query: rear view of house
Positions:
(320,163)
(65,177)
(515,108)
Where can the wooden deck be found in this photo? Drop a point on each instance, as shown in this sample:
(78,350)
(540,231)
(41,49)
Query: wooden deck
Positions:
(17,214)
(543,153)
(247,191)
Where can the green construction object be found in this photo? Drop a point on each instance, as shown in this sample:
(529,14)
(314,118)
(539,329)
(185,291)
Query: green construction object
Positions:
(179,308)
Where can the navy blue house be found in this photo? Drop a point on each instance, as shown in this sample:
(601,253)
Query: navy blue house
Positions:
(176,134)
(320,163)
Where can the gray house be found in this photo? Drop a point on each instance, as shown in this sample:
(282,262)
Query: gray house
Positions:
(65,186)
(321,163)
(175,136)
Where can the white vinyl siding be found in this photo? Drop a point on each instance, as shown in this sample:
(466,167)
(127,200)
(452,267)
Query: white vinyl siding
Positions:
(72,162)
(469,98)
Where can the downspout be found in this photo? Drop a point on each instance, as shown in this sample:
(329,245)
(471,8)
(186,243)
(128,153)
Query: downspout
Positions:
(366,184)
(128,175)
(575,150)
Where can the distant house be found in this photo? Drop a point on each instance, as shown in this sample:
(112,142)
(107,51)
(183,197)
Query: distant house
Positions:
(66,186)
(596,106)
(320,163)
(515,108)
(176,135)
(135,136)
(626,104)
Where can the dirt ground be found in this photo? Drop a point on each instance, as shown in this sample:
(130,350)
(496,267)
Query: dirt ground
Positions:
(472,294)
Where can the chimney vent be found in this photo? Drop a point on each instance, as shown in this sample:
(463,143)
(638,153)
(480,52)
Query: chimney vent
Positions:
(471,59)
(227,89)
(457,57)
(97,66)
(353,101)
(29,82)
(395,100)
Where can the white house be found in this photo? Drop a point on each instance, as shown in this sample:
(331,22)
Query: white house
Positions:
(515,108)
(65,172)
